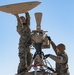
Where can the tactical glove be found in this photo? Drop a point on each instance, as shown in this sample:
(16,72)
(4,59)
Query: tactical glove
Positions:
(46,56)
(49,38)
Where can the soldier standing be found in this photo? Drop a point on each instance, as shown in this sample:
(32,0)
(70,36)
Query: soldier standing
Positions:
(61,59)
(23,28)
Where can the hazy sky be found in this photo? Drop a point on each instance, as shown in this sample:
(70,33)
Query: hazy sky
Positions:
(58,20)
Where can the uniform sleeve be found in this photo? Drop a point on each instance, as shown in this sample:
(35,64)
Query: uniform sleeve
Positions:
(19,25)
(58,59)
(53,46)
(27,18)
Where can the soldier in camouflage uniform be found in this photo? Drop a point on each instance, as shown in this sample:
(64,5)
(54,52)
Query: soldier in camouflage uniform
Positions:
(23,28)
(61,59)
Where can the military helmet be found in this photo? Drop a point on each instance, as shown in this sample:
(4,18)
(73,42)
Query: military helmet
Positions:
(61,47)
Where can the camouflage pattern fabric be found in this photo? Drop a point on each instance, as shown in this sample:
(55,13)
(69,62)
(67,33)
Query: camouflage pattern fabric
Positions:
(61,61)
(24,44)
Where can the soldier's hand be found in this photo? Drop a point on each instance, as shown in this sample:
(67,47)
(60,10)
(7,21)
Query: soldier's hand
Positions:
(49,38)
(26,12)
(16,15)
(46,56)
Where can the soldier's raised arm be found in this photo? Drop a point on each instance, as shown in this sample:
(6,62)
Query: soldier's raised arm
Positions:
(52,43)
(27,18)
(19,24)
(18,20)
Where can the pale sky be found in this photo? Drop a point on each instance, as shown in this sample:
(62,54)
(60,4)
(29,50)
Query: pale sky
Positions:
(58,20)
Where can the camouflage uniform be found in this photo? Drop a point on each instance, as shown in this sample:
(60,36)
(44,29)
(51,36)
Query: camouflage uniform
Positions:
(24,43)
(61,61)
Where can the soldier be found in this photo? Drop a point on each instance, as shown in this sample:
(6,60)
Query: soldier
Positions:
(23,28)
(61,59)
